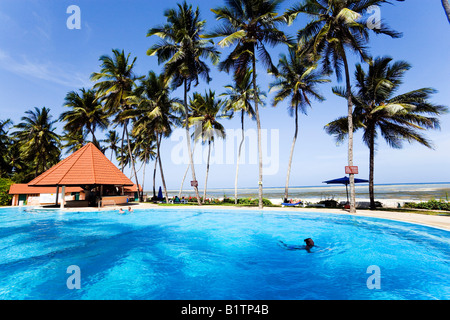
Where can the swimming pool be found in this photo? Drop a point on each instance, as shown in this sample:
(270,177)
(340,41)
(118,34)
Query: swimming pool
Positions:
(218,254)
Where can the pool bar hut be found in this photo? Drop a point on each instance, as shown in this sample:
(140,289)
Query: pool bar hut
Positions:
(89,169)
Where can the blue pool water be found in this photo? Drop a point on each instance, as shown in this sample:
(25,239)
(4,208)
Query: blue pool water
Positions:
(217,254)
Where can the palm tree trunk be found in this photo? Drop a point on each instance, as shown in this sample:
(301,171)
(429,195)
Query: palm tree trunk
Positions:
(371,167)
(94,140)
(154,176)
(286,189)
(446,6)
(207,170)
(122,163)
(158,142)
(239,158)
(258,124)
(188,140)
(350,134)
(132,162)
(143,175)
(185,174)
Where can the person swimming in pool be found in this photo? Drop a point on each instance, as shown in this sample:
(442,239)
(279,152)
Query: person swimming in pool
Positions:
(121,211)
(309,243)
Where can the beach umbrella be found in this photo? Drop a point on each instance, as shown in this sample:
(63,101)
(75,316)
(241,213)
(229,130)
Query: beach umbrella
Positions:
(345,180)
(160,196)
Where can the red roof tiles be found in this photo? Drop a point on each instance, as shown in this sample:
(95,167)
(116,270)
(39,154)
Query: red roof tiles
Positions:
(87,166)
(23,188)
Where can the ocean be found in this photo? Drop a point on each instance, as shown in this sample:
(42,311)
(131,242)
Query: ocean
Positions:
(404,191)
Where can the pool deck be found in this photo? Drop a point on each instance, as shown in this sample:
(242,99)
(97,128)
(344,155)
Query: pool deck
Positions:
(436,221)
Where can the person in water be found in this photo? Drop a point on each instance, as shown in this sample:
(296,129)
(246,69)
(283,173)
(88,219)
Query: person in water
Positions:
(309,244)
(129,209)
(121,211)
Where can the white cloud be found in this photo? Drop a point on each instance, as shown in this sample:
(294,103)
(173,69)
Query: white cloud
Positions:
(47,71)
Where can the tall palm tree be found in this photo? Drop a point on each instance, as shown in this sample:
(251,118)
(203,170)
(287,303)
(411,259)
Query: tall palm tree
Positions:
(206,110)
(146,145)
(116,80)
(250,25)
(156,113)
(86,113)
(182,48)
(337,27)
(239,96)
(297,79)
(112,142)
(38,140)
(446,6)
(380,110)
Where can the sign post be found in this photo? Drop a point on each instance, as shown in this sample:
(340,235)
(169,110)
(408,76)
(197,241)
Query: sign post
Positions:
(351,169)
(194,183)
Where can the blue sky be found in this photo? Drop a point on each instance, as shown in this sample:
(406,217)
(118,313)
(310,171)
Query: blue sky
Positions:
(41,60)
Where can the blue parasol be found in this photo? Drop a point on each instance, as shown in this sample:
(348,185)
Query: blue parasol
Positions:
(345,180)
(160,196)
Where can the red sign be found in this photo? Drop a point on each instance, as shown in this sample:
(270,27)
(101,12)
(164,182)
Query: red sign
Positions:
(351,169)
(194,183)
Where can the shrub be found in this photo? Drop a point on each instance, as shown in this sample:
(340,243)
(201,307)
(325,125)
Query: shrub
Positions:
(253,202)
(5,198)
(429,205)
(228,200)
(329,203)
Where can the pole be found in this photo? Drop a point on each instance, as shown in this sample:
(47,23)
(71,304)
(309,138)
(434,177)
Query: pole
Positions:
(63,194)
(57,193)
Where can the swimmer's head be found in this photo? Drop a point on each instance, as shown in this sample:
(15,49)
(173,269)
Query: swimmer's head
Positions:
(309,242)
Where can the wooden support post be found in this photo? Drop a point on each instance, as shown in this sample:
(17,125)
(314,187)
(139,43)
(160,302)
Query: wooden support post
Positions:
(57,194)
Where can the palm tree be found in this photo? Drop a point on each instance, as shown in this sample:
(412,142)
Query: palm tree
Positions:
(297,78)
(74,140)
(22,170)
(182,48)
(116,85)
(337,27)
(250,25)
(146,145)
(380,110)
(86,113)
(446,6)
(37,138)
(206,110)
(112,141)
(239,95)
(5,142)
(156,113)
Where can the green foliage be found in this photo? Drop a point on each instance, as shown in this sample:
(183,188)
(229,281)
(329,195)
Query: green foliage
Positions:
(5,198)
(253,202)
(241,201)
(429,205)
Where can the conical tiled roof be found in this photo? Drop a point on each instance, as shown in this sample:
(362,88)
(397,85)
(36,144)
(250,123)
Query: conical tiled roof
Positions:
(87,166)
